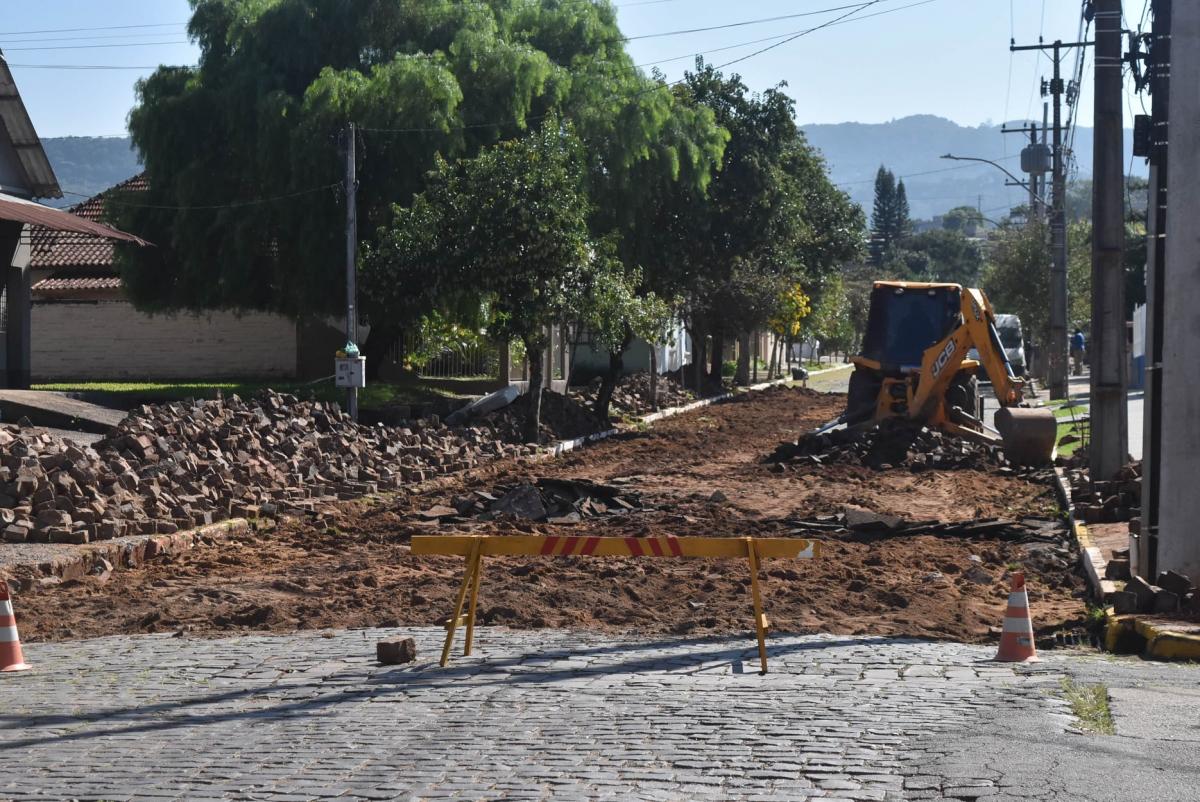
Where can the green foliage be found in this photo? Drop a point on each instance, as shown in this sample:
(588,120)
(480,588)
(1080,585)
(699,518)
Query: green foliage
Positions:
(832,320)
(938,255)
(770,216)
(612,309)
(965,220)
(277,82)
(890,222)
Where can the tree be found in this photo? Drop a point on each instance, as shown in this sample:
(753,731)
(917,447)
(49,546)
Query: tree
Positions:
(937,255)
(1017,277)
(256,222)
(883,214)
(964,220)
(769,217)
(614,313)
(902,219)
(510,223)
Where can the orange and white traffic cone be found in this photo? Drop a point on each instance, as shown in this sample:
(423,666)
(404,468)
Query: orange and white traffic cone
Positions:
(1016,641)
(11,658)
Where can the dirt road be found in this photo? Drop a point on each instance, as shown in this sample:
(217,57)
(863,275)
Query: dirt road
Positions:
(360,572)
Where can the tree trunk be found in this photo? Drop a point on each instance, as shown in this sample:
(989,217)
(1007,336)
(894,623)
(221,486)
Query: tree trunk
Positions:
(717,360)
(653,377)
(773,367)
(756,355)
(533,421)
(376,347)
(699,357)
(742,375)
(616,366)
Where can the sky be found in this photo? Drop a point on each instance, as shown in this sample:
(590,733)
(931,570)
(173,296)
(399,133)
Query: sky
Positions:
(944,57)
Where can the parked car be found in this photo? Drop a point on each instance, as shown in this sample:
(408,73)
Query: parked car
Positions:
(1012,340)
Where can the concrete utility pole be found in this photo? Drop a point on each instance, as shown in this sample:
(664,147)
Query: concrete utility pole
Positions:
(1145,553)
(1109,449)
(351,254)
(1179,503)
(1057,356)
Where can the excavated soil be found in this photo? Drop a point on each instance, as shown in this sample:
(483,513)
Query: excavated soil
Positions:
(360,573)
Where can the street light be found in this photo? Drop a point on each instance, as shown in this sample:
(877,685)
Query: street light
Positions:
(1001,169)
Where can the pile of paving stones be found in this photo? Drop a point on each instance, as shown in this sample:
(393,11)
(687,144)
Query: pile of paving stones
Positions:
(889,444)
(547,499)
(632,393)
(190,463)
(1108,502)
(1171,593)
(856,519)
(562,418)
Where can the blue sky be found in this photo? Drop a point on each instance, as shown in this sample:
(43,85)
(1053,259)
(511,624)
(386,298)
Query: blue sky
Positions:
(943,57)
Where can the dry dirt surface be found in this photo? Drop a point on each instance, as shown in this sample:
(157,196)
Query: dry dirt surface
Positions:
(697,474)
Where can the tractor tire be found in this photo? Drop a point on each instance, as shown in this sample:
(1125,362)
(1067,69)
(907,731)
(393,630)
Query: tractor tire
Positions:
(863,396)
(964,394)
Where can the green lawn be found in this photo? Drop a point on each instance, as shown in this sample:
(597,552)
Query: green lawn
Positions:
(133,393)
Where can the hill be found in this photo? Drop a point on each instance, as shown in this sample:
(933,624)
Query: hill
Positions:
(911,147)
(86,165)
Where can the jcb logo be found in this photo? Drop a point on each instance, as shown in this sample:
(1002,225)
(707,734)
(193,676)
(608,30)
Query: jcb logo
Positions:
(943,358)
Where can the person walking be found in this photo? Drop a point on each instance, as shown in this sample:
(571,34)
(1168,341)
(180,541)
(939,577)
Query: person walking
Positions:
(1078,346)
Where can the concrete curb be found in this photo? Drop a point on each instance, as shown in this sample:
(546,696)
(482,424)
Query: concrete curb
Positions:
(122,552)
(823,371)
(1094,564)
(1163,640)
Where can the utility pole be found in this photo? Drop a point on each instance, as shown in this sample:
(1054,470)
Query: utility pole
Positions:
(1109,448)
(351,271)
(1058,225)
(1179,503)
(1145,551)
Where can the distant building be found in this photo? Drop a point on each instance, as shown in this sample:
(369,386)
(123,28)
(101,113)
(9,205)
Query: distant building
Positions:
(85,328)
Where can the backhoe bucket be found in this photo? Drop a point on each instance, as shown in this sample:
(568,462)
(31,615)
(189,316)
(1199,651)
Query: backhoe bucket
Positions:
(1028,434)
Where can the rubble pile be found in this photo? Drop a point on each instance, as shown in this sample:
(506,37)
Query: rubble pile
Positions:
(1109,502)
(889,444)
(562,418)
(190,463)
(548,500)
(856,519)
(632,393)
(1171,593)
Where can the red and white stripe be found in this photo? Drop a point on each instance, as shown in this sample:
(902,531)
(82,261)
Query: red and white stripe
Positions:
(11,658)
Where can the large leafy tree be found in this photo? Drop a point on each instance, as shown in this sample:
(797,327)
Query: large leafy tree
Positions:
(768,219)
(242,153)
(511,225)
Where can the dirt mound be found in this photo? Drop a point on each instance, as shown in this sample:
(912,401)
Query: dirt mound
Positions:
(563,418)
(632,394)
(890,444)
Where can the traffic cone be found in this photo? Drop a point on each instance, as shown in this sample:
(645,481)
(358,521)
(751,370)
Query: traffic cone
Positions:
(1016,640)
(11,658)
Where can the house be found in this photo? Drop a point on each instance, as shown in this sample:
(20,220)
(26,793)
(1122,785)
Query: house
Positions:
(25,173)
(85,328)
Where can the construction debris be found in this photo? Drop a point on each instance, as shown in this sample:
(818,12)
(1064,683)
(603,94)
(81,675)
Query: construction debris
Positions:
(1107,502)
(176,466)
(632,393)
(1171,594)
(549,500)
(396,652)
(890,444)
(868,522)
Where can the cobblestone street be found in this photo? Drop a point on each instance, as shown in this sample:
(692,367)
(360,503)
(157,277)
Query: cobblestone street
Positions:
(533,715)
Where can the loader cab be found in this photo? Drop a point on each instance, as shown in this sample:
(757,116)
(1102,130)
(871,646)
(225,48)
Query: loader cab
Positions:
(907,318)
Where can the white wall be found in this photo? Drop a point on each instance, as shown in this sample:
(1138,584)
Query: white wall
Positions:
(110,340)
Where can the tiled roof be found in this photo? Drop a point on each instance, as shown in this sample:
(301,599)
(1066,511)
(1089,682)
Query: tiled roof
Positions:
(58,249)
(74,284)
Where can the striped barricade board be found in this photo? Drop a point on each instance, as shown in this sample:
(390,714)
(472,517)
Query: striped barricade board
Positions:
(476,547)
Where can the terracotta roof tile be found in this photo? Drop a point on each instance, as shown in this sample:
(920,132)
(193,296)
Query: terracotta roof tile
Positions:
(73,284)
(58,249)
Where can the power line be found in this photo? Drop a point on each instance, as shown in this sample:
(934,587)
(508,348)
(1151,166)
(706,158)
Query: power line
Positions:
(745,23)
(104,28)
(779,36)
(85,66)
(230,205)
(92,47)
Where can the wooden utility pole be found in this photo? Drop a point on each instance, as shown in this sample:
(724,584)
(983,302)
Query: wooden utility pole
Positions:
(351,254)
(1109,448)
(1145,553)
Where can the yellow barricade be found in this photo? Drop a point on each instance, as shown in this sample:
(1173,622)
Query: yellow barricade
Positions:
(476,547)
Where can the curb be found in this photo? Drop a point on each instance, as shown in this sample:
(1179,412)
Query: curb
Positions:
(823,371)
(1094,564)
(1163,640)
(123,552)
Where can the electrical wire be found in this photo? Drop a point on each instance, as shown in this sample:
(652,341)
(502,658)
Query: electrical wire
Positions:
(104,28)
(93,47)
(744,23)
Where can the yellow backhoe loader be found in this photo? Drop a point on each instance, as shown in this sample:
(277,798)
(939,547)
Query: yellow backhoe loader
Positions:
(914,365)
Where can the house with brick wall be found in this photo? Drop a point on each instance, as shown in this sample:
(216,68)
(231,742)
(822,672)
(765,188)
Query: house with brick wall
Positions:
(86,329)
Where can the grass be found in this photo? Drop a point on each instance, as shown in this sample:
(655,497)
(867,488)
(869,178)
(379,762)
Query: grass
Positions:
(1089,703)
(132,393)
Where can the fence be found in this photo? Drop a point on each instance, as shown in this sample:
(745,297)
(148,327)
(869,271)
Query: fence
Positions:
(464,361)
